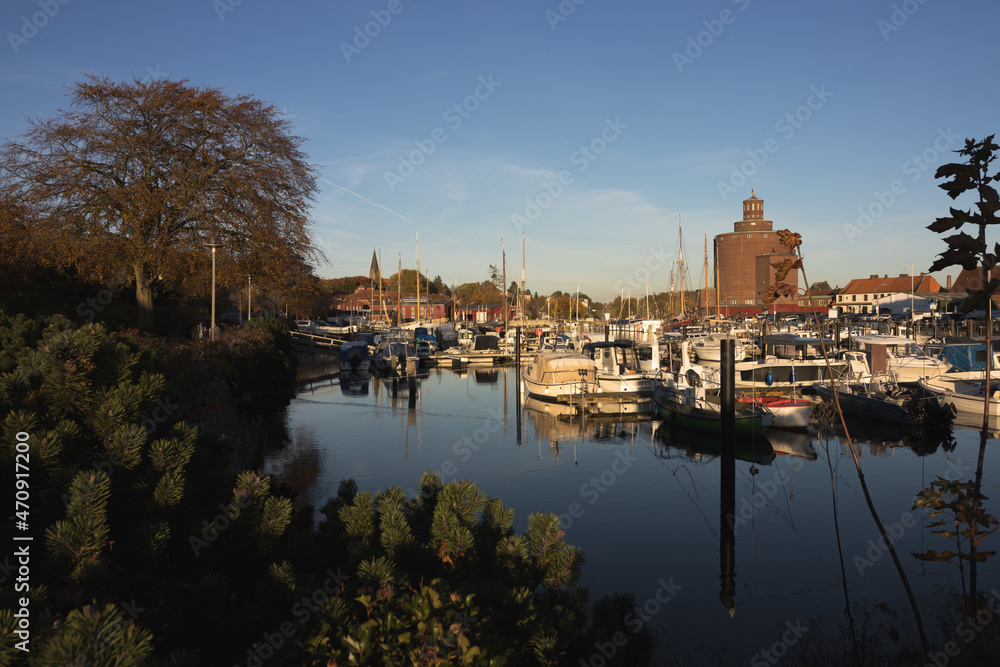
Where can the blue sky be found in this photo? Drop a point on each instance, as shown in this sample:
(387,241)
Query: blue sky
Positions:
(588,125)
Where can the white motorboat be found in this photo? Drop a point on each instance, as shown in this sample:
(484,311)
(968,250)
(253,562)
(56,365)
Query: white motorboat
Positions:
(901,356)
(966,396)
(797,363)
(552,374)
(709,348)
(618,367)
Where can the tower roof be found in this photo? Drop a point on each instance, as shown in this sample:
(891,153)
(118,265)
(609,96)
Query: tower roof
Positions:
(374,273)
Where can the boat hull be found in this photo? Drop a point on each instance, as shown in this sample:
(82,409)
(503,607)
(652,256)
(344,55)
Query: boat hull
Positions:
(681,408)
(867,407)
(966,397)
(786,412)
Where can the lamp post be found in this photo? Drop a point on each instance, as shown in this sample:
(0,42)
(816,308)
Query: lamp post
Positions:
(213,246)
(248,299)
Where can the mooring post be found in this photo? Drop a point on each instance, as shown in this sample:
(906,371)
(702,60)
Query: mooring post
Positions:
(727,480)
(727,398)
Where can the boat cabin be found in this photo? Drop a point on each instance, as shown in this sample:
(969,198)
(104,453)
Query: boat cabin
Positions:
(616,357)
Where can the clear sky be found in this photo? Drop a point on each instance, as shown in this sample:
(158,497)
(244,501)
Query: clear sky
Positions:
(588,125)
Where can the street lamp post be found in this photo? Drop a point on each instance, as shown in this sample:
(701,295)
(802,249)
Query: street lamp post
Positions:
(213,246)
(248,299)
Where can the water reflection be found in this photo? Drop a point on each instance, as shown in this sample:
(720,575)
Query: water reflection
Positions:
(699,445)
(792,552)
(354,383)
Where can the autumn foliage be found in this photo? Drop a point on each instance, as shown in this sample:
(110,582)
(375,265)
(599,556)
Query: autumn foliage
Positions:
(132,180)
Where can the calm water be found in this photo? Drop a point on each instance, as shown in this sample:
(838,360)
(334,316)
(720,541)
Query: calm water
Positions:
(645,505)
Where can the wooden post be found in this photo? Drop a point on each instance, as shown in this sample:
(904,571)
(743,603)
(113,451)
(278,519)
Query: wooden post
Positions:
(727,398)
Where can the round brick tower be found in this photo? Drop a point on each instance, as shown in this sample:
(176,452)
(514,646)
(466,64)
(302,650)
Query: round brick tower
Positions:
(736,253)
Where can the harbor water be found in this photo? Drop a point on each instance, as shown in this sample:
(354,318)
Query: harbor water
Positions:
(644,505)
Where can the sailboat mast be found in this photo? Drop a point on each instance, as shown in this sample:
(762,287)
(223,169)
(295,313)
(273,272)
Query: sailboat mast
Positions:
(680,256)
(399,291)
(522,280)
(705,293)
(503,260)
(417,319)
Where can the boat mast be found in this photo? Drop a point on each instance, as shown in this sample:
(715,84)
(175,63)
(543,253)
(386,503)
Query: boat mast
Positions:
(399,291)
(521,293)
(503,261)
(417,318)
(705,293)
(381,302)
(680,256)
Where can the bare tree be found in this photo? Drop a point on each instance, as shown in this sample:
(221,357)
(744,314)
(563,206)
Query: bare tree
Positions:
(136,177)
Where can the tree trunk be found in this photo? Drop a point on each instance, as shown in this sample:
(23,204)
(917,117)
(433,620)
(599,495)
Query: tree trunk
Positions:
(144,297)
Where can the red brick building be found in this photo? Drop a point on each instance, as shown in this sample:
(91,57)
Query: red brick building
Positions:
(365,301)
(744,261)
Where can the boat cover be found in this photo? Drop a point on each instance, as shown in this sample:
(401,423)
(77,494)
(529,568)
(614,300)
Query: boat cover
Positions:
(487,343)
(563,367)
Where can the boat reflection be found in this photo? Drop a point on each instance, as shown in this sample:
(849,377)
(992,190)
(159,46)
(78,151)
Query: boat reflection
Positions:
(559,422)
(485,375)
(699,445)
(354,383)
(792,443)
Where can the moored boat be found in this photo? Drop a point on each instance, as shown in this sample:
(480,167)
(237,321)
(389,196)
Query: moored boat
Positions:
(709,348)
(787,412)
(553,374)
(354,356)
(965,396)
(901,356)
(618,368)
(868,405)
(683,398)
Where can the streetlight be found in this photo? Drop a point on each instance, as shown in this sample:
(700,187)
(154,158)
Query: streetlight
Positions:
(213,246)
(248,298)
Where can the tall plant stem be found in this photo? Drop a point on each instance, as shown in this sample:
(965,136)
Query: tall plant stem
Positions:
(861,475)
